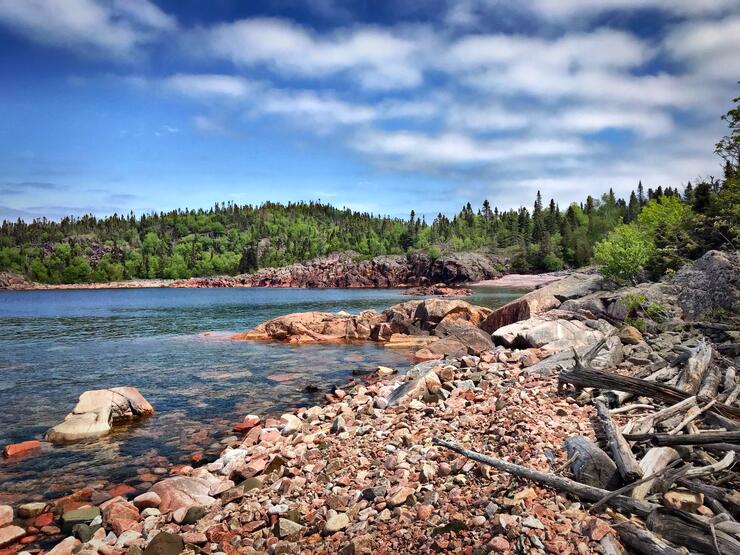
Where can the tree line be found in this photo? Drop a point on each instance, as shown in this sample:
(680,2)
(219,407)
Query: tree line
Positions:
(654,228)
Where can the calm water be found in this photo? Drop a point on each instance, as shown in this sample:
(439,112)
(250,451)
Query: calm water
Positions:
(173,345)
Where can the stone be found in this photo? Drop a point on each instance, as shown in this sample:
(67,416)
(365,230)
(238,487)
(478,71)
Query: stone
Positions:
(194,514)
(83,515)
(6,515)
(165,543)
(83,532)
(44,519)
(417,387)
(385,371)
(630,335)
(127,538)
(399,496)
(11,534)
(338,426)
(683,500)
(499,544)
(289,529)
(593,466)
(66,547)
(97,410)
(147,500)
(292,424)
(182,491)
(22,448)
(31,510)
(120,516)
(336,523)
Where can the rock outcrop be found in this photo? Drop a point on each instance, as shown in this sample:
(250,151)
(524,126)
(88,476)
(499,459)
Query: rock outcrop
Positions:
(541,300)
(710,287)
(97,411)
(347,270)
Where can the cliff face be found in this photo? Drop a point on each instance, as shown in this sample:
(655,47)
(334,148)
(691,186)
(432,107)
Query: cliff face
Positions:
(342,270)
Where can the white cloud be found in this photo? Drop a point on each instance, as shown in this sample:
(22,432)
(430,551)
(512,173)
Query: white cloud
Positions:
(588,119)
(312,108)
(208,85)
(94,27)
(377,58)
(459,149)
(710,48)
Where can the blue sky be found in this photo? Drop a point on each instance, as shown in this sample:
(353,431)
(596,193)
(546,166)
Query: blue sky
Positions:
(118,105)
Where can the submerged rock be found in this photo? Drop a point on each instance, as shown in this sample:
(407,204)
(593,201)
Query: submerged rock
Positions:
(97,410)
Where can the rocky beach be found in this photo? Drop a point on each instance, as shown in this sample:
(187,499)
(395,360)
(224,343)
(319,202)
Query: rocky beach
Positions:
(484,446)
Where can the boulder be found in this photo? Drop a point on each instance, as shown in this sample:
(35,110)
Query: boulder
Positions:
(84,515)
(630,335)
(10,535)
(182,492)
(120,517)
(6,515)
(709,286)
(431,311)
(541,300)
(97,410)
(550,333)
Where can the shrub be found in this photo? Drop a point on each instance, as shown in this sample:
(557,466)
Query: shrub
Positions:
(552,263)
(623,254)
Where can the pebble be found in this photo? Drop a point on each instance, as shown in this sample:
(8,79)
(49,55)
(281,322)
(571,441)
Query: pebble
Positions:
(336,523)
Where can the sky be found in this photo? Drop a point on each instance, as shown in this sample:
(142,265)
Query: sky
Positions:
(380,106)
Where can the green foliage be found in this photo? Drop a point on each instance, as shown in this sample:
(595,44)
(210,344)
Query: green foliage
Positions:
(552,263)
(634,302)
(623,255)
(638,323)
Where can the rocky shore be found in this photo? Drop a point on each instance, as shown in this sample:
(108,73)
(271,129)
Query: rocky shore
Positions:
(340,270)
(484,447)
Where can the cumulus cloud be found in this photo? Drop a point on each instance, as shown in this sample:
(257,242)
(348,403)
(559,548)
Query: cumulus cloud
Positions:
(208,85)
(709,48)
(94,27)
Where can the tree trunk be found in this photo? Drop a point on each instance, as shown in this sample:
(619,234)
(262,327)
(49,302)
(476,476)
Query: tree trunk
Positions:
(712,436)
(695,368)
(655,460)
(592,466)
(687,530)
(643,541)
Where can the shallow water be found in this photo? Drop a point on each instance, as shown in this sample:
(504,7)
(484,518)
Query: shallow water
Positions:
(173,344)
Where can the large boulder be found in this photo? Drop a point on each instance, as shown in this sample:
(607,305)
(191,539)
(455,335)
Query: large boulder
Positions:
(541,300)
(710,286)
(96,412)
(181,492)
(431,311)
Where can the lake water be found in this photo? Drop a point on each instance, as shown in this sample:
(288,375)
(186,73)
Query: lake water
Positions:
(172,344)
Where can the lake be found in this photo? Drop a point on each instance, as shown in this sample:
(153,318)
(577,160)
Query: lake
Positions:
(174,346)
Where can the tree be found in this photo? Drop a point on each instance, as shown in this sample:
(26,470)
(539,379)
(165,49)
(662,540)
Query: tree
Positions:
(622,256)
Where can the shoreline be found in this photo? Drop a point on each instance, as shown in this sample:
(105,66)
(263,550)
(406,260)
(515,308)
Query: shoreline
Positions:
(522,281)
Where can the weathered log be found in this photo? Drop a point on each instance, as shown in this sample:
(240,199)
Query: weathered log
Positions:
(728,383)
(587,493)
(690,531)
(710,383)
(647,423)
(729,349)
(621,451)
(655,460)
(721,447)
(732,397)
(630,487)
(589,377)
(643,541)
(720,421)
(591,466)
(711,436)
(693,414)
(695,368)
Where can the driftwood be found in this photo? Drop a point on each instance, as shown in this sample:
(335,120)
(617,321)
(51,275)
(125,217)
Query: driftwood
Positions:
(654,461)
(711,436)
(695,368)
(690,531)
(643,541)
(647,423)
(583,491)
(589,377)
(710,384)
(591,465)
(726,462)
(621,451)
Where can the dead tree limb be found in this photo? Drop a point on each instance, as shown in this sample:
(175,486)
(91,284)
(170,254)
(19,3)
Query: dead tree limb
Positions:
(588,493)
(655,460)
(590,377)
(711,436)
(621,451)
